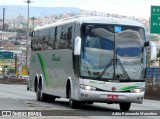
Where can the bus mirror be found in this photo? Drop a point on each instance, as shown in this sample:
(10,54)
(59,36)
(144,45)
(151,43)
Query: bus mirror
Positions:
(153,50)
(77,46)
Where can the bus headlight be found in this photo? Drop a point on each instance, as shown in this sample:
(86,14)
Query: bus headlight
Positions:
(137,90)
(86,87)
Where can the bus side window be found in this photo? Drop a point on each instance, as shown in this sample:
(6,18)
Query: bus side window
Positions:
(69,37)
(57,37)
(66,35)
(63,37)
(32,40)
(35,41)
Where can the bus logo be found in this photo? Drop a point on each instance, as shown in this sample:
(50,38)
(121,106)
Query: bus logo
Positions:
(56,58)
(113,88)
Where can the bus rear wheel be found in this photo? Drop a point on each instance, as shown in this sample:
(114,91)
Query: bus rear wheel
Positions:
(72,103)
(37,93)
(124,106)
(40,95)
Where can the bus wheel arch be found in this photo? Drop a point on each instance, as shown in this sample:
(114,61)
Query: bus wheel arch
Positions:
(40,95)
(68,88)
(72,103)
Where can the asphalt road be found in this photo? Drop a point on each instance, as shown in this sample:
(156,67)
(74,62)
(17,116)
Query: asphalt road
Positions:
(16,97)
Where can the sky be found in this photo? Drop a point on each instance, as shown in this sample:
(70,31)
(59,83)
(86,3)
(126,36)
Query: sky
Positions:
(136,8)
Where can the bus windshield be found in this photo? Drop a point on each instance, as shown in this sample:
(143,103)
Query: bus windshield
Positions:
(112,52)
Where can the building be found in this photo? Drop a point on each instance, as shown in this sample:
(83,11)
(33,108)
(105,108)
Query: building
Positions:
(3,37)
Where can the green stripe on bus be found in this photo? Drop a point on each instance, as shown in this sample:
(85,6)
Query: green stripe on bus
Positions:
(128,87)
(43,66)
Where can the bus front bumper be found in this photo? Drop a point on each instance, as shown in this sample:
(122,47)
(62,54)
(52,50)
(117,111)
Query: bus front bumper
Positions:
(110,97)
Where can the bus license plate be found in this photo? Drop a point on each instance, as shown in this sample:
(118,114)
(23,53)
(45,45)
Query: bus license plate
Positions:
(113,97)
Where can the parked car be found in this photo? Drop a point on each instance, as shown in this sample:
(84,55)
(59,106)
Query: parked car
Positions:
(13,77)
(5,76)
(23,77)
(29,84)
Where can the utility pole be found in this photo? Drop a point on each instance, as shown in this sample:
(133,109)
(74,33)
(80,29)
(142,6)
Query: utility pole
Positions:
(28,2)
(1,24)
(15,63)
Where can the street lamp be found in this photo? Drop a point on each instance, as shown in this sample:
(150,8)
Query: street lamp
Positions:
(28,2)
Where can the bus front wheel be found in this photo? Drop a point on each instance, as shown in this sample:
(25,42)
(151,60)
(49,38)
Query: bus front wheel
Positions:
(72,103)
(124,106)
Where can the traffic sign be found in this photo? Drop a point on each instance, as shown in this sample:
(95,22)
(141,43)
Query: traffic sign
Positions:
(155,19)
(6,55)
(24,71)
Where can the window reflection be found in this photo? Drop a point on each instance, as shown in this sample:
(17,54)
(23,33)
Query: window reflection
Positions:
(101,44)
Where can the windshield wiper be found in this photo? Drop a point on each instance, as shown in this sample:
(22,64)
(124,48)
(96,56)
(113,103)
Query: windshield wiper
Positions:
(105,69)
(112,61)
(123,69)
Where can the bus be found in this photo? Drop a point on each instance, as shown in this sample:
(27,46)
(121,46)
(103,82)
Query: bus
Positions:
(90,59)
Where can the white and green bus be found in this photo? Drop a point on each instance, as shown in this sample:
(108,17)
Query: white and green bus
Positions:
(90,59)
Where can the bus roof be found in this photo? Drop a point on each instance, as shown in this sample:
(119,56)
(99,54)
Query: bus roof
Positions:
(93,19)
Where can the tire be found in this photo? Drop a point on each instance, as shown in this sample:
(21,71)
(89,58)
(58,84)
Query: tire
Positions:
(43,97)
(40,95)
(72,103)
(124,106)
(38,92)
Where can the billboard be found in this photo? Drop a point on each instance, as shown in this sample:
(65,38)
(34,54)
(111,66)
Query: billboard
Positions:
(6,55)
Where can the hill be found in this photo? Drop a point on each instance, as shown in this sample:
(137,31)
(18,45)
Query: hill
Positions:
(14,11)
